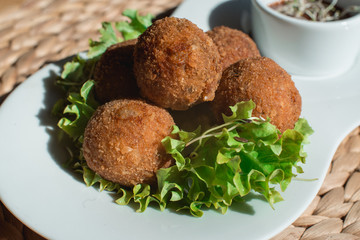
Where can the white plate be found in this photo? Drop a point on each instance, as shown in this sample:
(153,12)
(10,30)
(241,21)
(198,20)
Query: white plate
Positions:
(52,201)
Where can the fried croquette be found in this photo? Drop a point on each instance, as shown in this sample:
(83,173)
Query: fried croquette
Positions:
(176,64)
(122,141)
(267,84)
(113,75)
(233,45)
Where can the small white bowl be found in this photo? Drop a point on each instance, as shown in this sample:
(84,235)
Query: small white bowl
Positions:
(306,48)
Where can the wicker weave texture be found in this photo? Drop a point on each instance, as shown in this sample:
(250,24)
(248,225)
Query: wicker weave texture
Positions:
(43,31)
(335,211)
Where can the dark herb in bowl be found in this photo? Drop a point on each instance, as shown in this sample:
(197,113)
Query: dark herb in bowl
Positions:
(314,10)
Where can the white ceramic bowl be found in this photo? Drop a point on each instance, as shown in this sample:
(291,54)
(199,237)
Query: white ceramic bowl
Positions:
(306,48)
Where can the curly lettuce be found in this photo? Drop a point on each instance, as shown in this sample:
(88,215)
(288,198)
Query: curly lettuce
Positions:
(226,162)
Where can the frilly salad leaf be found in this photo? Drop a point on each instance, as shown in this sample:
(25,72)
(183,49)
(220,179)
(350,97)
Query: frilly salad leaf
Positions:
(213,169)
(129,30)
(81,108)
(228,161)
(138,25)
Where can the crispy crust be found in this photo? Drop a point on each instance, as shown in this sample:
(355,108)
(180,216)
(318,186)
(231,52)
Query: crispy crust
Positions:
(122,141)
(264,82)
(113,74)
(176,64)
(233,45)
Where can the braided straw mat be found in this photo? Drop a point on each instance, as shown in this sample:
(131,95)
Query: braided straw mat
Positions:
(43,31)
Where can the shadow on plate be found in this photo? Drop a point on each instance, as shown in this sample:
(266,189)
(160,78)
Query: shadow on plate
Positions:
(56,145)
(198,115)
(234,14)
(244,207)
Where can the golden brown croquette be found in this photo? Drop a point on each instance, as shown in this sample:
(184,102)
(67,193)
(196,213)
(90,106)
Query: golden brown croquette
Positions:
(114,76)
(122,141)
(233,45)
(267,84)
(176,64)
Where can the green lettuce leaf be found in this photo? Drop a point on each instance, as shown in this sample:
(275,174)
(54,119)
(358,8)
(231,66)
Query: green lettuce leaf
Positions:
(81,108)
(127,29)
(245,154)
(136,26)
(108,38)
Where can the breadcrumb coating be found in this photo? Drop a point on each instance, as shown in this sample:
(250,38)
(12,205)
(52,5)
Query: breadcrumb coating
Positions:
(267,84)
(233,45)
(122,141)
(176,64)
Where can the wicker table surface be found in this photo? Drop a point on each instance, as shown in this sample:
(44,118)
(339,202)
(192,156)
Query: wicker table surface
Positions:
(42,31)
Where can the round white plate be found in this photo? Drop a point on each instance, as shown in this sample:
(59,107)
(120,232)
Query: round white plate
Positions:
(54,202)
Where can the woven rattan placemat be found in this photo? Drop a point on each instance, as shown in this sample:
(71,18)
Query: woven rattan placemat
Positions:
(43,31)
